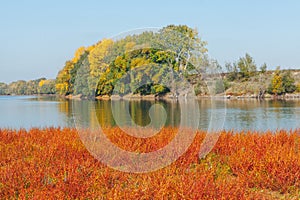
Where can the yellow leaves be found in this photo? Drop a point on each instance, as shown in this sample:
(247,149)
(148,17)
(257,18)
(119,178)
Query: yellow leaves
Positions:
(100,50)
(41,83)
(96,56)
(129,46)
(137,62)
(63,78)
(61,88)
(78,53)
(120,62)
(44,82)
(90,48)
(298,87)
(277,82)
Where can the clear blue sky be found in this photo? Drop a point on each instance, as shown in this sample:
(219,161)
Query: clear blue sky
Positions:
(37,37)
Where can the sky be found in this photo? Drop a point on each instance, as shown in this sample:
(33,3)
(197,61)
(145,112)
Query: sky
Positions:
(37,37)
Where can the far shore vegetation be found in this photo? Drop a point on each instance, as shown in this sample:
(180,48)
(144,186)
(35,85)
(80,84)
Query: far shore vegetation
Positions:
(95,70)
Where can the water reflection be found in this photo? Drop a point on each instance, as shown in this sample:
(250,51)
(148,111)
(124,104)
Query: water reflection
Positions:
(262,115)
(240,114)
(108,113)
(27,112)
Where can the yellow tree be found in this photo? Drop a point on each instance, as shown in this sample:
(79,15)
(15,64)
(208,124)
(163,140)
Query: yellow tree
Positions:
(78,53)
(277,86)
(63,85)
(63,78)
(98,63)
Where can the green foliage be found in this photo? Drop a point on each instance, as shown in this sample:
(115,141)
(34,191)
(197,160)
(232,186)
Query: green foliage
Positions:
(101,66)
(136,59)
(243,69)
(221,86)
(282,84)
(263,68)
(160,89)
(226,84)
(46,87)
(81,86)
(97,70)
(197,89)
(232,70)
(3,89)
(288,82)
(298,87)
(246,66)
(31,87)
(79,76)
(181,40)
(17,87)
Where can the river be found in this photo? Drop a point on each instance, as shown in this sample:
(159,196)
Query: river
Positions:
(38,111)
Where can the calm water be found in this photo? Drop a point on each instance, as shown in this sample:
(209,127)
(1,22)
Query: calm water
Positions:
(28,111)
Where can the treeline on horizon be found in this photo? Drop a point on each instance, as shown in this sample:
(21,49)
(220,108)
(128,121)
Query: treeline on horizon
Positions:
(32,87)
(96,70)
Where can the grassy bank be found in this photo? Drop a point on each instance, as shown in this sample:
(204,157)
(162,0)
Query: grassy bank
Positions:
(53,163)
(254,84)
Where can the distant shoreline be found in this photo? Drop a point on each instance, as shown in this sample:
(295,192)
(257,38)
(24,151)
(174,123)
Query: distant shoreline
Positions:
(295,96)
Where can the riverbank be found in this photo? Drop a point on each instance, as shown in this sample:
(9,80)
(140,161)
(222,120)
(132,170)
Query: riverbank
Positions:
(167,97)
(53,162)
(256,86)
(295,96)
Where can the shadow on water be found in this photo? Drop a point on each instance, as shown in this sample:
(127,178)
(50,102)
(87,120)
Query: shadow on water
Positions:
(104,113)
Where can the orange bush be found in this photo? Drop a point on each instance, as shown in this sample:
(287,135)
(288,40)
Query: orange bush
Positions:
(53,163)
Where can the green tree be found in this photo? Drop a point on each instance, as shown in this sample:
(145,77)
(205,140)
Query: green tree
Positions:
(17,87)
(288,82)
(183,41)
(79,76)
(47,87)
(219,87)
(263,68)
(246,66)
(32,86)
(80,85)
(3,89)
(232,71)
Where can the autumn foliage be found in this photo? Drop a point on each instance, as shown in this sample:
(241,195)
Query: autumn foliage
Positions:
(52,163)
